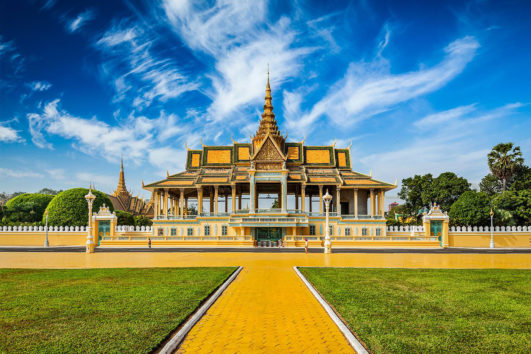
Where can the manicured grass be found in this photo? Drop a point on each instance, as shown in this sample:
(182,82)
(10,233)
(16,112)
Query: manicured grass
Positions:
(98,310)
(409,310)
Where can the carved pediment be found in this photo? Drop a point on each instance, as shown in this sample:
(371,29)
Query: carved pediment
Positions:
(269,152)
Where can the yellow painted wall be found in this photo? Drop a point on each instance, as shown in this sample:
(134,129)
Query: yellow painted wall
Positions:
(37,238)
(482,239)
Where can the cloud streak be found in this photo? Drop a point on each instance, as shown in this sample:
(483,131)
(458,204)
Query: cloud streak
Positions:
(80,20)
(369,89)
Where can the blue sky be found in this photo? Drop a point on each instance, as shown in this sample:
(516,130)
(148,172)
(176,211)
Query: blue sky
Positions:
(416,86)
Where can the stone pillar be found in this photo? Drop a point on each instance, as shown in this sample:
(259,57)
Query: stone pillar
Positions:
(156,203)
(165,202)
(356,203)
(338,200)
(181,202)
(373,204)
(233,197)
(211,199)
(445,238)
(216,190)
(252,187)
(321,199)
(303,198)
(381,198)
(284,193)
(199,200)
(226,203)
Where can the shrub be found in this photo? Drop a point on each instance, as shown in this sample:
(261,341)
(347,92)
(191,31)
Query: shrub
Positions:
(69,208)
(125,218)
(26,208)
(514,207)
(143,221)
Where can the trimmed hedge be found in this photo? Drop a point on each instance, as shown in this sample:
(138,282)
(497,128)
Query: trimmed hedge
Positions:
(125,218)
(26,208)
(69,208)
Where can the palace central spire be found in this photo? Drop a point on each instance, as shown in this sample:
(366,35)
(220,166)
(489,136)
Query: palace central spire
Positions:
(268,124)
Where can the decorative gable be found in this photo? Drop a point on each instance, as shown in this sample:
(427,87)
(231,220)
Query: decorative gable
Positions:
(268,152)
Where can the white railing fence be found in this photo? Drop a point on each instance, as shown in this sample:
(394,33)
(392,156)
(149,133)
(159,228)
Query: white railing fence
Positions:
(126,228)
(43,228)
(414,228)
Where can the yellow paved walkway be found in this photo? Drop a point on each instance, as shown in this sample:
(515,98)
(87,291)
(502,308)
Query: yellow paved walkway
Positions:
(267,308)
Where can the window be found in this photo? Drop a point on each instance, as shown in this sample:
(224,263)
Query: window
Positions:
(173,231)
(160,232)
(224,230)
(190,231)
(331,230)
(364,231)
(378,231)
(347,231)
(312,230)
(207,230)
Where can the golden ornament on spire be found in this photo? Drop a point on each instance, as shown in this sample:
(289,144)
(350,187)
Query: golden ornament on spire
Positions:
(268,124)
(121,189)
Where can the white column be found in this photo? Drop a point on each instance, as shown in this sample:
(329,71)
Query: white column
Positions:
(216,188)
(338,200)
(303,198)
(373,204)
(181,202)
(321,199)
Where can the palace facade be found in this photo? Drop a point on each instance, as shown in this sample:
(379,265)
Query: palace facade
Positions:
(233,186)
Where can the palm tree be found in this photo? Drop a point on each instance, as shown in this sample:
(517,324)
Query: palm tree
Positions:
(503,160)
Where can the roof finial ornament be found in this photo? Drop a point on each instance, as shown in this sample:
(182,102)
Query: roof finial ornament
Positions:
(167,174)
(396,181)
(335,141)
(348,147)
(233,141)
(186,146)
(303,139)
(202,142)
(370,173)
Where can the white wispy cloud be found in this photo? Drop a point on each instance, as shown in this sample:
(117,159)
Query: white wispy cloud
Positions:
(80,20)
(238,36)
(137,72)
(368,89)
(138,138)
(7,172)
(453,139)
(39,85)
(9,135)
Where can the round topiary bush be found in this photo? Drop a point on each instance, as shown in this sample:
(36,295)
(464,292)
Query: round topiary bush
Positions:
(69,208)
(27,207)
(125,218)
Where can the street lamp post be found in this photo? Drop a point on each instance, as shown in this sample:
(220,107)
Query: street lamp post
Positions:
(491,229)
(90,242)
(327,244)
(46,244)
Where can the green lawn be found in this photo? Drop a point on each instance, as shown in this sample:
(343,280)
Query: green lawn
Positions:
(98,310)
(430,310)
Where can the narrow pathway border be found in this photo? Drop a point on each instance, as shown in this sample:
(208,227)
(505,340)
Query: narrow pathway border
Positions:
(354,342)
(177,339)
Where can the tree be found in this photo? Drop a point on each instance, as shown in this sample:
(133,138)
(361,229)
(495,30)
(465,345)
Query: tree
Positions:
(416,192)
(471,209)
(125,218)
(28,207)
(49,191)
(143,221)
(503,161)
(521,179)
(276,204)
(421,191)
(69,208)
(513,207)
(447,188)
(491,185)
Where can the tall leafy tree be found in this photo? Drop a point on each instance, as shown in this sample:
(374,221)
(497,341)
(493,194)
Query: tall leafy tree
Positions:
(416,191)
(503,160)
(447,188)
(491,185)
(471,209)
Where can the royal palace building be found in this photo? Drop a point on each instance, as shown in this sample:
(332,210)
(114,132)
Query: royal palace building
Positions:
(232,188)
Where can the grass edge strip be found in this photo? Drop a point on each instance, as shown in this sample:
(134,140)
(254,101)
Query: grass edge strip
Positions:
(353,341)
(178,338)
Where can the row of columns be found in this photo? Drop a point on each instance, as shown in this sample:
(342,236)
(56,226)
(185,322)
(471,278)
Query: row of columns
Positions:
(169,202)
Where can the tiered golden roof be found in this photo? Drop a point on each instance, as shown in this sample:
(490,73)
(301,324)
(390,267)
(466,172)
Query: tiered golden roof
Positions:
(268,124)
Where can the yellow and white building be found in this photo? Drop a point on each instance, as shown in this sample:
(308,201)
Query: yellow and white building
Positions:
(231,185)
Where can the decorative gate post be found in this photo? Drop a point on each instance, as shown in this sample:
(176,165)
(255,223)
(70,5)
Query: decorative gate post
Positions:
(436,224)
